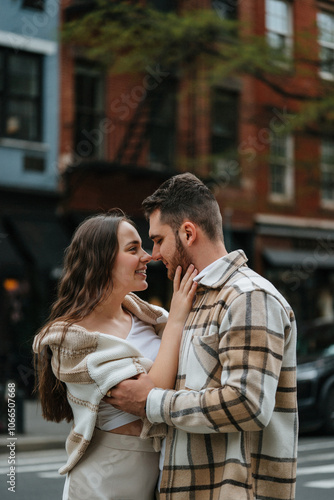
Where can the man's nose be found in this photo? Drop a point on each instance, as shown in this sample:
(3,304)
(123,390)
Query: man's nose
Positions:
(156,253)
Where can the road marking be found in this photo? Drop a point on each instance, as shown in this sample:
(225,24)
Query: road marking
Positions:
(319,469)
(326,484)
(316,446)
(33,468)
(34,460)
(313,458)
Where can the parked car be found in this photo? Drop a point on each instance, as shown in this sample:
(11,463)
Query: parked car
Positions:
(315,376)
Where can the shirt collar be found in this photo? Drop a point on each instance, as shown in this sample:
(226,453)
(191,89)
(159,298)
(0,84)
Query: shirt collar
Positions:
(219,271)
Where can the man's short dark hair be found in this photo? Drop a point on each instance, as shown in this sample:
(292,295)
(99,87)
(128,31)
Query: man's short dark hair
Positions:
(185,197)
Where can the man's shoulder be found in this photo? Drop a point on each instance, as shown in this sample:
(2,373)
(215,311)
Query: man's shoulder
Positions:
(246,280)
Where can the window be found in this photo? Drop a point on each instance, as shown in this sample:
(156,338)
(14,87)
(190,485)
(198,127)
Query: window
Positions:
(20,95)
(34,164)
(224,134)
(279,25)
(34,4)
(326,42)
(89,111)
(163,5)
(162,127)
(281,168)
(327,172)
(226,9)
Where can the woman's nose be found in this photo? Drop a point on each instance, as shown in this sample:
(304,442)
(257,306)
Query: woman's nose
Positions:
(146,257)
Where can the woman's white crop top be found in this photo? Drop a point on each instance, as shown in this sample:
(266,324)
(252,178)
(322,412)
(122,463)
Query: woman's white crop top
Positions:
(143,337)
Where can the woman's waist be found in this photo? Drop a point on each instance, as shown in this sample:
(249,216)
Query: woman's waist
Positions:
(110,419)
(130,429)
(122,441)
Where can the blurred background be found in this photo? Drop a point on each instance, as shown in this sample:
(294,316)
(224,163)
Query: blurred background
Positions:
(102,101)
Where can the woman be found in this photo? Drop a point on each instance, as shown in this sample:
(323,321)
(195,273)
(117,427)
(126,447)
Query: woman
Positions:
(99,334)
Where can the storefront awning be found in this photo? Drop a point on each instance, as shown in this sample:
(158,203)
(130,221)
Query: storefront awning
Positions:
(319,258)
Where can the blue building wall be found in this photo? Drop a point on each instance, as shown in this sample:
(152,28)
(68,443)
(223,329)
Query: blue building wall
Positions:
(27,30)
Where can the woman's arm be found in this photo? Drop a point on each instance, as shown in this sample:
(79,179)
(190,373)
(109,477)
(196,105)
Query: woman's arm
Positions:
(164,368)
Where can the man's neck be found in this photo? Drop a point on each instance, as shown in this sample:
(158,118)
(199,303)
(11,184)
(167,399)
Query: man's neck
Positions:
(209,254)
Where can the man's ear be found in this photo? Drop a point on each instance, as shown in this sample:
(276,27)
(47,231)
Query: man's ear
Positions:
(188,233)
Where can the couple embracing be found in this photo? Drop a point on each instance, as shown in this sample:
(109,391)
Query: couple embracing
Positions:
(197,404)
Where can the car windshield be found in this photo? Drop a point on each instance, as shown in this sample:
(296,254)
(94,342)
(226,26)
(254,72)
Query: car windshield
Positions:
(316,341)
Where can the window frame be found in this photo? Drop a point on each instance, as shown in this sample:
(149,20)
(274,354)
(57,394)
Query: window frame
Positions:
(162,5)
(6,95)
(225,10)
(166,126)
(285,162)
(99,115)
(326,75)
(225,163)
(289,34)
(326,202)
(34,4)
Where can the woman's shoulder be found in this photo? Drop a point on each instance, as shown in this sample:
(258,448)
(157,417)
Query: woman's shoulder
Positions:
(145,311)
(66,334)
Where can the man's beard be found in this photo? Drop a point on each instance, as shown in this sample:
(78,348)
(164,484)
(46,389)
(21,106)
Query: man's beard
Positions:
(180,258)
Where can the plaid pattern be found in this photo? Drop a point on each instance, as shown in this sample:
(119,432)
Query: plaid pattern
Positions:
(232,419)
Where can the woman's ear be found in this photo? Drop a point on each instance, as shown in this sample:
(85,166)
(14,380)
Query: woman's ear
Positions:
(188,233)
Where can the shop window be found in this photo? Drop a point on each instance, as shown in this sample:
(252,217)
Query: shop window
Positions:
(224,135)
(20,95)
(90,137)
(279,26)
(34,4)
(326,44)
(327,172)
(162,127)
(281,184)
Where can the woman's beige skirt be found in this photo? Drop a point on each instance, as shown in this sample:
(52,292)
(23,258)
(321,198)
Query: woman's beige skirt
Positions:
(114,467)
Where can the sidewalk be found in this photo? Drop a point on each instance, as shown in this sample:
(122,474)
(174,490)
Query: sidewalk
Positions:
(38,433)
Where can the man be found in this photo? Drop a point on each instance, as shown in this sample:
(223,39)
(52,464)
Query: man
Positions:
(232,418)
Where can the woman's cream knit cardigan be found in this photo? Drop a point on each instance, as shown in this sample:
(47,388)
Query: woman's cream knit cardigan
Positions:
(90,364)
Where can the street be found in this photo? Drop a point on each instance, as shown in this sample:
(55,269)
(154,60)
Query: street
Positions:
(37,476)
(315,477)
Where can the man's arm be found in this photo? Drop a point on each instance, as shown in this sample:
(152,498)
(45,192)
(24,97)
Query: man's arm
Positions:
(131,395)
(253,334)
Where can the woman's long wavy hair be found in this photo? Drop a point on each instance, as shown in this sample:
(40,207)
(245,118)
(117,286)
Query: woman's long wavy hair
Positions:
(86,281)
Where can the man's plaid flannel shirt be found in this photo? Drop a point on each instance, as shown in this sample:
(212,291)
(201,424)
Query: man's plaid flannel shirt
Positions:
(232,418)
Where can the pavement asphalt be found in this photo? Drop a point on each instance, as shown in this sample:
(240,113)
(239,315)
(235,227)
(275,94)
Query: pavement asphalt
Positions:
(38,434)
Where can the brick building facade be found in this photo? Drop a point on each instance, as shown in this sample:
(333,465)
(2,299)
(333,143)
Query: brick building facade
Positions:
(122,135)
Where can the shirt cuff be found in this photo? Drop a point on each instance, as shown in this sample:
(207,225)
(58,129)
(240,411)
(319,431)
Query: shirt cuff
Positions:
(158,405)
